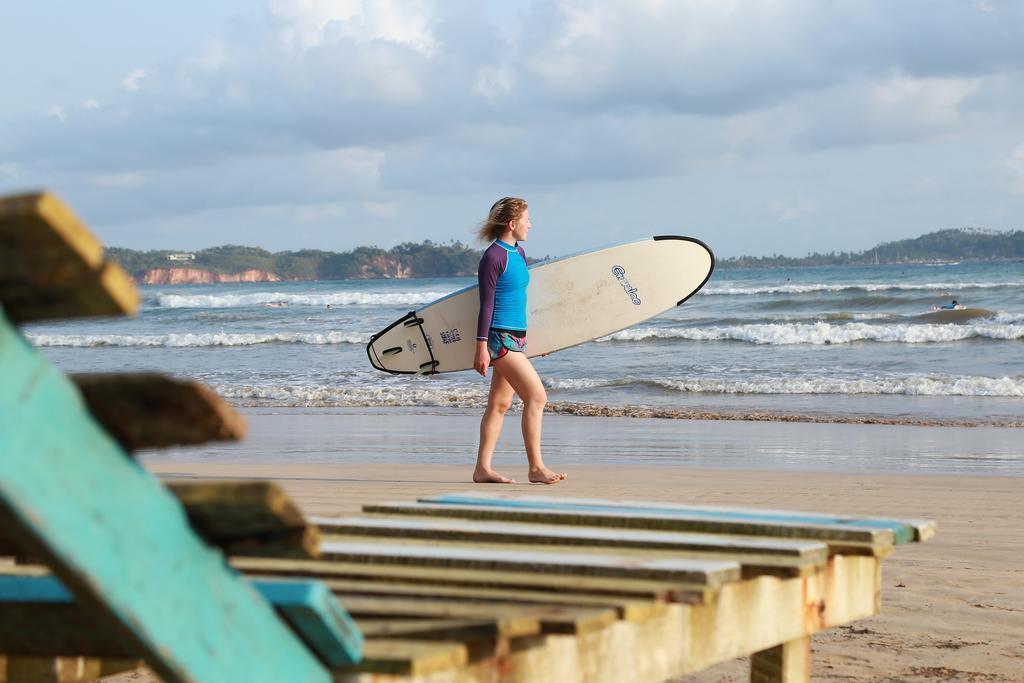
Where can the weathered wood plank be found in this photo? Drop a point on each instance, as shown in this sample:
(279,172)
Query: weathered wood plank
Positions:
(904,531)
(461,630)
(254,518)
(538,534)
(120,541)
(51,266)
(789,662)
(708,573)
(40,617)
(411,657)
(831,534)
(626,608)
(552,618)
(146,410)
(639,589)
(784,558)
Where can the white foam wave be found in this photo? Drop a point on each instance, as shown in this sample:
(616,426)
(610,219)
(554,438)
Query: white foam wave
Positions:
(195,340)
(935,385)
(407,298)
(726,290)
(825,333)
(355,396)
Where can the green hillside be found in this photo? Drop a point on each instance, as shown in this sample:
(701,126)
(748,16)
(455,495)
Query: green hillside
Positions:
(961,244)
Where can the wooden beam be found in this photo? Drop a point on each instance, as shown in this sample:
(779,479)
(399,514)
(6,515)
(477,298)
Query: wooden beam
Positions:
(39,617)
(552,618)
(624,588)
(411,658)
(904,531)
(756,556)
(147,410)
(462,630)
(789,662)
(120,542)
(872,538)
(247,518)
(708,573)
(51,266)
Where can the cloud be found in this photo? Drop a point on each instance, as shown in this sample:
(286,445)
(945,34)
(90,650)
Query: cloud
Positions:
(131,81)
(1015,165)
(306,24)
(91,103)
(127,179)
(786,211)
(56,112)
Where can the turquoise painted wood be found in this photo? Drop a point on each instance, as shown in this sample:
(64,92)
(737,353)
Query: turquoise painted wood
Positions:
(120,541)
(902,531)
(309,607)
(316,615)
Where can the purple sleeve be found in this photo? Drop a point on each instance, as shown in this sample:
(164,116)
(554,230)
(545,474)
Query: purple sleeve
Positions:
(492,265)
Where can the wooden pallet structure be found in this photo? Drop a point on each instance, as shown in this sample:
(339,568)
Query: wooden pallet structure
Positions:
(104,565)
(460,588)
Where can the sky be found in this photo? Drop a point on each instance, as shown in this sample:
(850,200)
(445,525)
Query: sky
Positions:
(760,127)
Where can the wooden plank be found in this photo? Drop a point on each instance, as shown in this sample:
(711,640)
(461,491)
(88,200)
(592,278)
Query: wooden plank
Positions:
(789,662)
(462,630)
(845,535)
(756,556)
(625,588)
(904,531)
(254,518)
(51,266)
(626,608)
(552,619)
(40,617)
(538,534)
(147,410)
(411,657)
(244,518)
(120,541)
(709,573)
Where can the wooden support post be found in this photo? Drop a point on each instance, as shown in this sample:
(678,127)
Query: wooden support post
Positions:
(786,663)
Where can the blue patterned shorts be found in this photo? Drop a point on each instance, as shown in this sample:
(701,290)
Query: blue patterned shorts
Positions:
(500,342)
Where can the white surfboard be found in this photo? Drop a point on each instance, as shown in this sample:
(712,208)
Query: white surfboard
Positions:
(570,301)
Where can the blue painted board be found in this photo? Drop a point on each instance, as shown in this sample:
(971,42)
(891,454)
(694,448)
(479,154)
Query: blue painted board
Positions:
(309,607)
(120,541)
(902,532)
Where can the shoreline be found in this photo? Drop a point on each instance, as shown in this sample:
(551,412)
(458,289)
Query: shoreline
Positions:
(644,412)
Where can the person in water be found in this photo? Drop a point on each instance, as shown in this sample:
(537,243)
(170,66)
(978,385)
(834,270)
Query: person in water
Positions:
(951,307)
(501,341)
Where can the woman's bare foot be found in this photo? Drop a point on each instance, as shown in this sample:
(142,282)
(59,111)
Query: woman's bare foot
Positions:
(546,476)
(490,477)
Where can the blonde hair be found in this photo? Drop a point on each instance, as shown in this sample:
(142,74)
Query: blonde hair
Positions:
(504,210)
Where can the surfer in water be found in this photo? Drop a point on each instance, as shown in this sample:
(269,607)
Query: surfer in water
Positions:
(501,341)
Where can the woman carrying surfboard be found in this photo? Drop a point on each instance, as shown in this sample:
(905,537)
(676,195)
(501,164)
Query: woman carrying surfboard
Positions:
(501,341)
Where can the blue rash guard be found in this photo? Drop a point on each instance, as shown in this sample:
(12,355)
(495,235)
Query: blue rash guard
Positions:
(503,279)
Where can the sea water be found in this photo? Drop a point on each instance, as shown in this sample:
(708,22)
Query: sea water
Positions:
(841,342)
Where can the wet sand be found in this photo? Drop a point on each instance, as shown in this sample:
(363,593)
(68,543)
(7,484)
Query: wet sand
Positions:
(952,609)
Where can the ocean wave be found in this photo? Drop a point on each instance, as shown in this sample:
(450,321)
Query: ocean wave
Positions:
(408,298)
(782,334)
(354,396)
(724,290)
(195,340)
(935,385)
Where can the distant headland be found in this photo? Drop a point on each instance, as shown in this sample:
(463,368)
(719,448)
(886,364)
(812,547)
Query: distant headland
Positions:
(232,263)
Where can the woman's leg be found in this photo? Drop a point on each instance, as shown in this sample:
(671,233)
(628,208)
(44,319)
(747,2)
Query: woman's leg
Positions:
(498,402)
(517,371)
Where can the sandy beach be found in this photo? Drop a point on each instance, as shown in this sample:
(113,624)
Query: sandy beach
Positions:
(952,609)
